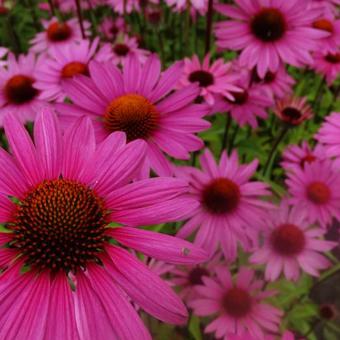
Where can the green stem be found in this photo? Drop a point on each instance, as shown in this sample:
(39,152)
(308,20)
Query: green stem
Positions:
(209,26)
(80,19)
(226,132)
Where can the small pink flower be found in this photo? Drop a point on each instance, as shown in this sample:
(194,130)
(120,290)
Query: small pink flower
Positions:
(231,210)
(238,304)
(212,79)
(295,157)
(328,65)
(70,193)
(290,244)
(140,101)
(123,48)
(63,63)
(269,33)
(18,94)
(329,134)
(124,6)
(313,190)
(293,110)
(57,33)
(111,28)
(328,23)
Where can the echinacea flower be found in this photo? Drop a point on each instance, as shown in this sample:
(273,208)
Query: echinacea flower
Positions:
(248,104)
(18,94)
(75,281)
(182,5)
(187,277)
(330,24)
(212,79)
(124,6)
(238,303)
(290,244)
(277,84)
(57,33)
(123,48)
(329,134)
(313,190)
(137,100)
(111,28)
(328,65)
(63,63)
(295,156)
(231,209)
(293,111)
(269,33)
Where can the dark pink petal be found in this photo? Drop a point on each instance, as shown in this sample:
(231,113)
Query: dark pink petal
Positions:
(47,138)
(145,287)
(102,310)
(61,322)
(160,246)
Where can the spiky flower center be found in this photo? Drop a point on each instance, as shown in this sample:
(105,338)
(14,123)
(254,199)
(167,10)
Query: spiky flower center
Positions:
(291,115)
(121,49)
(237,302)
(203,78)
(240,98)
(333,58)
(324,24)
(19,89)
(319,192)
(221,196)
(268,25)
(309,158)
(288,240)
(196,274)
(268,78)
(59,31)
(133,114)
(74,68)
(59,225)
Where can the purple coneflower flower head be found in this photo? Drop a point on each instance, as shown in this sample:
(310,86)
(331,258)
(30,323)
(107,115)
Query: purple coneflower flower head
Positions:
(269,33)
(111,28)
(238,304)
(70,193)
(328,65)
(290,244)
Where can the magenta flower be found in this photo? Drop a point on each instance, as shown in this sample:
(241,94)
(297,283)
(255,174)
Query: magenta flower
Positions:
(295,156)
(123,48)
(124,6)
(60,233)
(111,28)
(57,34)
(328,23)
(231,209)
(63,63)
(329,134)
(239,305)
(328,65)
(212,79)
(18,94)
(269,33)
(290,244)
(138,101)
(313,190)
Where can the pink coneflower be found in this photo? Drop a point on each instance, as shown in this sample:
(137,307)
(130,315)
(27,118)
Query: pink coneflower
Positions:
(328,23)
(293,110)
(111,28)
(238,303)
(124,6)
(329,134)
(18,95)
(231,209)
(290,244)
(295,156)
(277,84)
(57,34)
(269,33)
(60,233)
(313,189)
(188,277)
(212,79)
(328,65)
(325,7)
(249,104)
(63,63)
(123,48)
(182,5)
(137,101)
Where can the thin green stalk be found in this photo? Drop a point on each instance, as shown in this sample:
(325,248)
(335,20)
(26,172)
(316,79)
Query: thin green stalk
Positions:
(226,132)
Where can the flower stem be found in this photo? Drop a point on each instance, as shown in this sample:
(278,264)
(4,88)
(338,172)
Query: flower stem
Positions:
(274,148)
(80,19)
(226,132)
(52,8)
(209,26)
